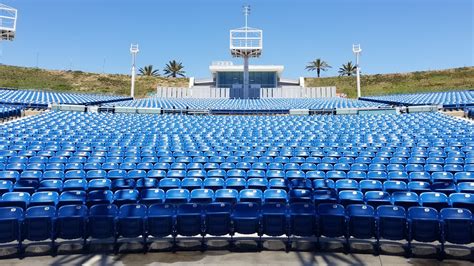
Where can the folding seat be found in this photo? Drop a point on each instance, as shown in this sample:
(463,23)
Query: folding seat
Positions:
(297,159)
(38,224)
(246,218)
(324,184)
(466,187)
(259,166)
(251,195)
(453,168)
(359,167)
(277,183)
(300,184)
(464,177)
(235,183)
(379,160)
(444,187)
(396,168)
(377,175)
(342,167)
(331,220)
(95,197)
(196,174)
(15,199)
(232,159)
(44,153)
(156,174)
(213,183)
(391,222)
(123,183)
(302,220)
(217,173)
(166,159)
(15,167)
(361,222)
(71,222)
(182,159)
(324,167)
(423,224)
(346,184)
(145,166)
(294,174)
(33,167)
(176,174)
(92,166)
(336,175)
(278,160)
(127,166)
(191,183)
(393,186)
(161,166)
(347,197)
(456,226)
(177,196)
(189,219)
(217,219)
(226,195)
(346,160)
(377,198)
(236,173)
(125,196)
(11,219)
(308,167)
(5,186)
(73,197)
(28,186)
(416,160)
(377,167)
(313,160)
(75,174)
(58,159)
(201,195)
(110,166)
(370,185)
(102,221)
(435,161)
(292,167)
(442,177)
(136,174)
(44,198)
(243,165)
(419,176)
(274,222)
(434,200)
(269,174)
(75,184)
(328,161)
(405,199)
(52,175)
(73,166)
(38,159)
(131,221)
(433,168)
(315,175)
(468,168)
(275,196)
(398,176)
(462,200)
(161,219)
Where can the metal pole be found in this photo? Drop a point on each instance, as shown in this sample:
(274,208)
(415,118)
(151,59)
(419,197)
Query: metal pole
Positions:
(246,87)
(358,75)
(132,89)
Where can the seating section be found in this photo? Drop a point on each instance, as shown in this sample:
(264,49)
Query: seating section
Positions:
(272,176)
(451,99)
(250,104)
(9,110)
(41,99)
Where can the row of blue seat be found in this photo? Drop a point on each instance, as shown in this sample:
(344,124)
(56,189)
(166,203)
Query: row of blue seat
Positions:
(290,223)
(9,111)
(457,99)
(178,196)
(59,173)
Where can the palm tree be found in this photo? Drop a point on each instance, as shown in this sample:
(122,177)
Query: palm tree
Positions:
(347,69)
(149,71)
(318,65)
(174,69)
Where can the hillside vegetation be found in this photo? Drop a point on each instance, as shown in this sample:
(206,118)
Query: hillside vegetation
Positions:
(78,81)
(420,81)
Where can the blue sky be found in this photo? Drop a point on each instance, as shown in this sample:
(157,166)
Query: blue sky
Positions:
(395,35)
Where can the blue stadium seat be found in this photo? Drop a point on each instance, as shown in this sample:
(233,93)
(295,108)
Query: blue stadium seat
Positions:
(177,196)
(423,224)
(274,220)
(44,198)
(347,197)
(99,197)
(201,195)
(169,183)
(131,221)
(71,222)
(462,200)
(419,186)
(434,200)
(346,184)
(251,195)
(189,219)
(391,222)
(246,218)
(332,220)
(377,198)
(5,186)
(321,196)
(235,183)
(456,226)
(15,199)
(394,186)
(361,221)
(302,220)
(275,196)
(102,221)
(370,185)
(218,219)
(226,195)
(38,224)
(161,220)
(125,196)
(73,197)
(214,183)
(75,184)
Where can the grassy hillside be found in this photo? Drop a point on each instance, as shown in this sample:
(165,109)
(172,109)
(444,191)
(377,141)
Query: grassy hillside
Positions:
(420,81)
(78,81)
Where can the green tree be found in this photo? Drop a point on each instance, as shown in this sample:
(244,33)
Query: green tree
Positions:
(149,71)
(174,69)
(348,69)
(318,65)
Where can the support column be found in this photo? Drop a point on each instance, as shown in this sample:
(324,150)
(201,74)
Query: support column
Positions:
(246,87)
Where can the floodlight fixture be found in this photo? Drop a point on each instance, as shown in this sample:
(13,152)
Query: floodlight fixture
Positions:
(357,50)
(134,51)
(8,17)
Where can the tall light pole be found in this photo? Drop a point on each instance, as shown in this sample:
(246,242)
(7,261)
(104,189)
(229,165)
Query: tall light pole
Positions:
(134,51)
(8,17)
(357,50)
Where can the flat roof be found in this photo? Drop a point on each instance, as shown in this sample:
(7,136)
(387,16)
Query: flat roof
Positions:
(252,68)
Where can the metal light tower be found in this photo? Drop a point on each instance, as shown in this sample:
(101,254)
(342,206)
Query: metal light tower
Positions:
(134,51)
(8,16)
(357,50)
(246,42)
